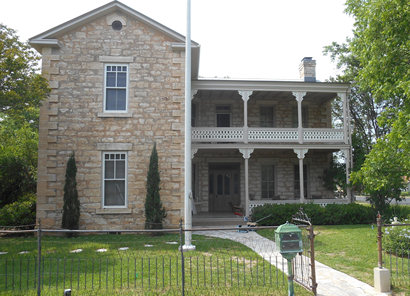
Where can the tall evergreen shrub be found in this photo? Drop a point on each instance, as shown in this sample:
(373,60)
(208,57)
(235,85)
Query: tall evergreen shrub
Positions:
(154,211)
(71,208)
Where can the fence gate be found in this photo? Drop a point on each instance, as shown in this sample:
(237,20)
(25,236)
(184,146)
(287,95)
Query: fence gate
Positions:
(304,264)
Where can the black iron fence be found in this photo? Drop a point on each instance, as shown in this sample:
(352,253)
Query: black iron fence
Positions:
(394,250)
(233,260)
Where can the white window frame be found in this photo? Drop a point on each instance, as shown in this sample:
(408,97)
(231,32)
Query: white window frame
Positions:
(125,179)
(126,88)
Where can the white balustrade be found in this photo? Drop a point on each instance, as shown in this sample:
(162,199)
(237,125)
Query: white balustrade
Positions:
(265,135)
(272,135)
(322,135)
(217,134)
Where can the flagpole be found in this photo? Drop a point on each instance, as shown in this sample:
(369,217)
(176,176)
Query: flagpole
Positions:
(188,161)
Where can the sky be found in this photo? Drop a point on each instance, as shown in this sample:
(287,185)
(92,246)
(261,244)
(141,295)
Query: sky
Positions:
(243,39)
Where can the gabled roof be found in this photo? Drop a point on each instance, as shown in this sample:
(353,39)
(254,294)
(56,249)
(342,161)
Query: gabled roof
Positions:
(48,38)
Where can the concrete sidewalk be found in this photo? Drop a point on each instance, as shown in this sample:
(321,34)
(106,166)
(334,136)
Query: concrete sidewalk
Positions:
(330,282)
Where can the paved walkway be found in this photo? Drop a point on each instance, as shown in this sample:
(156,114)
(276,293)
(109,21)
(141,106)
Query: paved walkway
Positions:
(330,282)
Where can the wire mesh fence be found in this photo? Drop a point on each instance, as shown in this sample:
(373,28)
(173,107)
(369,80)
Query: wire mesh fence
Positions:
(225,260)
(396,252)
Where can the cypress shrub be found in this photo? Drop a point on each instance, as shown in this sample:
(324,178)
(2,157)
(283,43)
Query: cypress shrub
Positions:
(71,208)
(154,211)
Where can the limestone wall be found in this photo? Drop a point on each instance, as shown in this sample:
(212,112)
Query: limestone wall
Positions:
(73,120)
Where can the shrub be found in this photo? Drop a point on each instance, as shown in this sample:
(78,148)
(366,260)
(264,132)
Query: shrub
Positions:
(20,212)
(396,239)
(154,211)
(331,214)
(400,211)
(71,207)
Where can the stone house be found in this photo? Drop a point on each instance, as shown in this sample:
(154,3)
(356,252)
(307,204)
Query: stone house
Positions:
(117,80)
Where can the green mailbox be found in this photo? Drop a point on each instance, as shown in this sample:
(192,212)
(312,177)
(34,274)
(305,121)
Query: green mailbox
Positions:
(288,238)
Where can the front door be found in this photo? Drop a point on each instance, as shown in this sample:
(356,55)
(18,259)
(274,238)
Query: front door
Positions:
(224,189)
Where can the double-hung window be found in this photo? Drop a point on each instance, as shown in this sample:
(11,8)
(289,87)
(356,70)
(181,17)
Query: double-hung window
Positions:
(116,88)
(115,179)
(268,181)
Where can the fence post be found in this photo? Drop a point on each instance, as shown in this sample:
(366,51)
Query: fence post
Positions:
(312,259)
(182,258)
(39,258)
(379,239)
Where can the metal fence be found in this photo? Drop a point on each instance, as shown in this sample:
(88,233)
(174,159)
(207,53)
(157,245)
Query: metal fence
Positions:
(394,250)
(45,261)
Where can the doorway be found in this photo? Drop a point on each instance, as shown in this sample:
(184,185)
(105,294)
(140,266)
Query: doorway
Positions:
(224,187)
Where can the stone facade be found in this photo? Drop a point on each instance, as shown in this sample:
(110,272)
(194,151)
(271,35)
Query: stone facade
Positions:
(72,120)
(76,56)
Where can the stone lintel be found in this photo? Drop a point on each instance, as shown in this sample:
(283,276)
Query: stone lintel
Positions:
(115,59)
(114,146)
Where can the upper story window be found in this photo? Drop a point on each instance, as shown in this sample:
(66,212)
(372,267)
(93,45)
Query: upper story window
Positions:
(116,88)
(223,116)
(115,179)
(266,116)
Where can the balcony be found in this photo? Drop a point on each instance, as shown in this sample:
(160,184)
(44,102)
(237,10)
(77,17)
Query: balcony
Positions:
(266,135)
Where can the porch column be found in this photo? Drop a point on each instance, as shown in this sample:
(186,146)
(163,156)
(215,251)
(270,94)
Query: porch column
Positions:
(301,155)
(299,98)
(246,153)
(245,94)
(347,155)
(346,135)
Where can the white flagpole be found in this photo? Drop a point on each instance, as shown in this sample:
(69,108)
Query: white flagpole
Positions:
(188,161)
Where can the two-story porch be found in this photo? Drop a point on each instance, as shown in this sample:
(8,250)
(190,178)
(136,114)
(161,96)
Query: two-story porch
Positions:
(253,141)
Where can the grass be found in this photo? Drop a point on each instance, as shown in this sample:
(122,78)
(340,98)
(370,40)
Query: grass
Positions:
(352,249)
(150,266)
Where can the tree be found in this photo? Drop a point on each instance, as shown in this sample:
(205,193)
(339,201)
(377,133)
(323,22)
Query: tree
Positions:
(22,88)
(386,166)
(376,61)
(71,208)
(18,160)
(154,211)
(21,91)
(381,45)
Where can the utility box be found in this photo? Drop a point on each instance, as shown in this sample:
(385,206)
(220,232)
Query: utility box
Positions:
(288,238)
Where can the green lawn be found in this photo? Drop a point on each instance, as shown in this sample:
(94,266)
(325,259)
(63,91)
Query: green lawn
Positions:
(151,265)
(352,249)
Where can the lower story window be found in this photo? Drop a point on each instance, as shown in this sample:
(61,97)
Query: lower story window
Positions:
(268,181)
(115,179)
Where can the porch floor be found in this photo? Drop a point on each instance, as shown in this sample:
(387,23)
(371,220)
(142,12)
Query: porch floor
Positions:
(216,219)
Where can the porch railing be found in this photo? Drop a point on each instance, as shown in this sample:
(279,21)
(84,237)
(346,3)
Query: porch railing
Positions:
(265,135)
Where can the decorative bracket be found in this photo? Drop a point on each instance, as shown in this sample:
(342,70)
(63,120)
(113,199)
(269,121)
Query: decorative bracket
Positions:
(299,95)
(193,93)
(300,152)
(193,152)
(245,94)
(246,152)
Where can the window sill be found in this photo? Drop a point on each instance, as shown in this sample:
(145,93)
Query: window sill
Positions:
(115,211)
(114,114)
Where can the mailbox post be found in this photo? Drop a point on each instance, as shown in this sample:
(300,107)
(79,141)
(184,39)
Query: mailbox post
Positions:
(288,238)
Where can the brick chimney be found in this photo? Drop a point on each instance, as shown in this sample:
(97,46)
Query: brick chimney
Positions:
(307,69)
